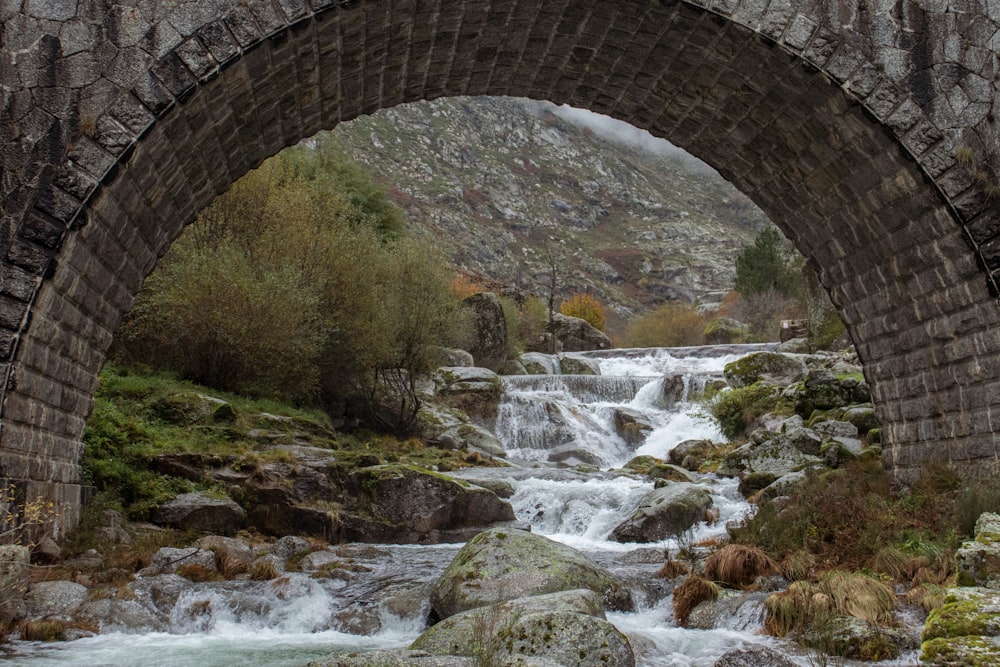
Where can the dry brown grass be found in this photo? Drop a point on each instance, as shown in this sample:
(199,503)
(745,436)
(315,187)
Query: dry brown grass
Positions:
(689,594)
(672,569)
(231,566)
(51,630)
(798,565)
(941,571)
(264,570)
(860,596)
(928,596)
(791,609)
(195,572)
(739,565)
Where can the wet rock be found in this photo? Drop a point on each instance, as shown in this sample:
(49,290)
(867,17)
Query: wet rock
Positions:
(472,438)
(288,546)
(119,615)
(664,512)
(572,455)
(408,504)
(690,453)
(502,565)
(201,512)
(537,363)
(632,426)
(731,610)
(469,629)
(771,368)
(570,365)
(754,656)
(850,637)
(394,658)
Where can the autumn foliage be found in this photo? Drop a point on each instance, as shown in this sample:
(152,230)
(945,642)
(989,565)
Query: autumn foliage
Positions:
(586,307)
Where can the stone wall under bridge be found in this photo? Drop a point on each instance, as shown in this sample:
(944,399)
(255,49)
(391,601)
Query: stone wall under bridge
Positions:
(867,130)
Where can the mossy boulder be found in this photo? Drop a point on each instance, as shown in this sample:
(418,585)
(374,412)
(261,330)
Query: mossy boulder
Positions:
(501,564)
(979,559)
(771,368)
(768,452)
(725,330)
(822,390)
(850,637)
(664,512)
(190,407)
(410,504)
(964,631)
(466,632)
(572,365)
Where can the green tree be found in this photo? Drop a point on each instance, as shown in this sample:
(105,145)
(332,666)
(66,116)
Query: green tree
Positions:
(767,265)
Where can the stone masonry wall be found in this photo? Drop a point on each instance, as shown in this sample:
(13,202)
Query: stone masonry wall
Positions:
(866,129)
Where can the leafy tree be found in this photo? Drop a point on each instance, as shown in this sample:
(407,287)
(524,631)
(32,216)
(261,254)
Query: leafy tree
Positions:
(767,265)
(586,307)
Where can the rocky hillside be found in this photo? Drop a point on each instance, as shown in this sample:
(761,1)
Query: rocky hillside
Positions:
(506,185)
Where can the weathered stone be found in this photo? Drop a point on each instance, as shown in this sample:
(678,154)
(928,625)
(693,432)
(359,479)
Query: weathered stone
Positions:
(753,656)
(664,512)
(167,560)
(978,560)
(199,511)
(570,365)
(578,335)
(503,564)
(489,347)
(921,313)
(55,599)
(769,367)
(15,564)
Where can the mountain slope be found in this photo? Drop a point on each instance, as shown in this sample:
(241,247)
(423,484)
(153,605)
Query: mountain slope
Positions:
(508,185)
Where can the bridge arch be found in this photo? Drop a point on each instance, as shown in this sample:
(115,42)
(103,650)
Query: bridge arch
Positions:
(865,131)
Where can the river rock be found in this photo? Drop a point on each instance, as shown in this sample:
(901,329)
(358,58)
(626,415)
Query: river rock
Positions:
(769,452)
(394,658)
(461,379)
(200,512)
(226,548)
(501,564)
(632,426)
(55,599)
(118,615)
(472,438)
(578,335)
(406,504)
(538,363)
(489,340)
(850,637)
(664,512)
(822,390)
(570,365)
(689,454)
(467,630)
(978,560)
(753,656)
(773,368)
(731,610)
(166,560)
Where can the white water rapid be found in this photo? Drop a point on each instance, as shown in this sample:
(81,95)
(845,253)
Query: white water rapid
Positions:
(561,436)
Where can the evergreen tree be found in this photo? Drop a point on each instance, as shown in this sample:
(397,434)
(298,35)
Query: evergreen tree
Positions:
(767,265)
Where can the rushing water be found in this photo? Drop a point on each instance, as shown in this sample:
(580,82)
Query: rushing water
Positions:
(543,420)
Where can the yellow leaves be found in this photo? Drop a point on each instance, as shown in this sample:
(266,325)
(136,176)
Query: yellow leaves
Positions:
(586,307)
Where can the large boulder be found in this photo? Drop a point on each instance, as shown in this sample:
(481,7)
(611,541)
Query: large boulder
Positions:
(489,340)
(572,365)
(578,335)
(964,631)
(822,390)
(664,512)
(501,564)
(190,407)
(460,632)
(15,564)
(771,368)
(771,453)
(201,512)
(473,390)
(55,599)
(405,504)
(979,559)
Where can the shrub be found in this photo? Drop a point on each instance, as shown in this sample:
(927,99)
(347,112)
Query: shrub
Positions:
(737,409)
(670,325)
(586,307)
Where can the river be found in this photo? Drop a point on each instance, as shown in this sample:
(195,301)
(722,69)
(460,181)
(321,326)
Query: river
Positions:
(541,418)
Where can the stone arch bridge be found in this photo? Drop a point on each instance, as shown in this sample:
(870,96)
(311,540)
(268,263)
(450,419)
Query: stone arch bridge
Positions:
(866,129)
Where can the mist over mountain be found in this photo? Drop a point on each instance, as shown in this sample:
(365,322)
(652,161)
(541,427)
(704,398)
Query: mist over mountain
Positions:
(508,185)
